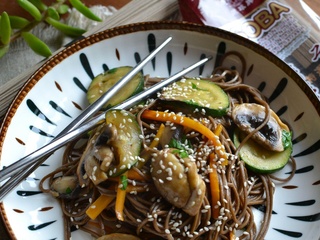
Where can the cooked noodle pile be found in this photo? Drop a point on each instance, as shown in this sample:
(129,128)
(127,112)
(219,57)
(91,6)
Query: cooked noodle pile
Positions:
(146,212)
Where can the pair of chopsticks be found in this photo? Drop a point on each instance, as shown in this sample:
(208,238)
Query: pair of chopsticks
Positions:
(19,170)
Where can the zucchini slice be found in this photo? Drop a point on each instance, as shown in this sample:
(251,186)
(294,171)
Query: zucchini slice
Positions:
(127,144)
(194,93)
(258,159)
(103,82)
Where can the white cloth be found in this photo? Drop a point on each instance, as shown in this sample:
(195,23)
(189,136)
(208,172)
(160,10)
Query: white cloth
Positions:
(20,57)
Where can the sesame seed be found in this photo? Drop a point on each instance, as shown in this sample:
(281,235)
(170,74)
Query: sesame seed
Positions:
(141,136)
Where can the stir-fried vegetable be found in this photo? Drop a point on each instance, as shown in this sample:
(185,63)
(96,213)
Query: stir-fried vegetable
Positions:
(161,171)
(260,159)
(104,81)
(214,180)
(99,205)
(121,196)
(190,123)
(197,94)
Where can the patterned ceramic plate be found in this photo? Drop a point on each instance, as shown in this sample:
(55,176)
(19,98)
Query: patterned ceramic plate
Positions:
(56,94)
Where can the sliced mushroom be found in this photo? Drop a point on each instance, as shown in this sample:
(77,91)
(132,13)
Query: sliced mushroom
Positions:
(169,134)
(178,181)
(106,155)
(64,187)
(249,116)
(97,156)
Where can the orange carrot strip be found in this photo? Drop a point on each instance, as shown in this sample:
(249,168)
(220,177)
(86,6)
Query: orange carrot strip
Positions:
(156,139)
(154,143)
(214,187)
(120,199)
(134,175)
(217,132)
(98,206)
(190,123)
(218,129)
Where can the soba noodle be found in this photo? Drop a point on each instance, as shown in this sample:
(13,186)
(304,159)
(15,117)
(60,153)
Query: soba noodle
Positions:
(148,214)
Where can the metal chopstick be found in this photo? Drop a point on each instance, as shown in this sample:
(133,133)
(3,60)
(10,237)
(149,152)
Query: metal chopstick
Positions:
(34,157)
(97,105)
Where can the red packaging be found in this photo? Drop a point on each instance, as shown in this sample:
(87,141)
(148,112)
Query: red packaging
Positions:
(289,29)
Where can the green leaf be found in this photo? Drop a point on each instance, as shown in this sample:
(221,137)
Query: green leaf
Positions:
(124,182)
(183,154)
(174,143)
(77,4)
(182,146)
(39,4)
(63,9)
(286,139)
(68,30)
(30,8)
(36,44)
(5,29)
(18,22)
(52,12)
(68,190)
(3,50)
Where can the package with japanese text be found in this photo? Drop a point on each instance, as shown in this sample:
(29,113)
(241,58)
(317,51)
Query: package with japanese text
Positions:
(288,29)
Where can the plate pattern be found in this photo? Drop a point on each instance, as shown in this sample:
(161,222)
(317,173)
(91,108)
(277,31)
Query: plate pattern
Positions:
(50,115)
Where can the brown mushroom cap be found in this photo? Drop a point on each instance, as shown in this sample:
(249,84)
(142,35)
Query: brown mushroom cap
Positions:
(178,181)
(249,116)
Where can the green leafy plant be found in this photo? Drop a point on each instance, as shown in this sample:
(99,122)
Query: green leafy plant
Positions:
(14,27)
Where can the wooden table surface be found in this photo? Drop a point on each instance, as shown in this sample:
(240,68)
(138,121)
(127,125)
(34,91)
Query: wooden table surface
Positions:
(11,7)
(314,4)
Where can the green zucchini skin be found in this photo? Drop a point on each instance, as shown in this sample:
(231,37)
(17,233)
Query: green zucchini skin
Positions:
(258,159)
(195,94)
(103,82)
(127,145)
